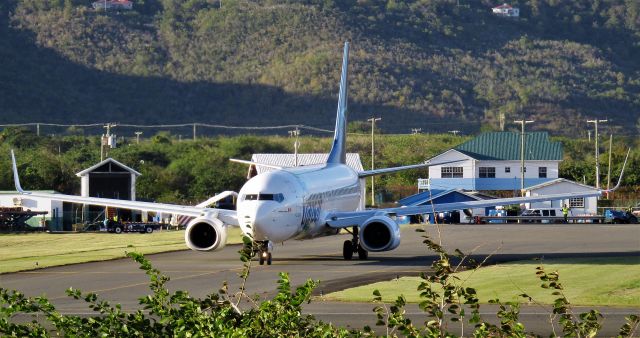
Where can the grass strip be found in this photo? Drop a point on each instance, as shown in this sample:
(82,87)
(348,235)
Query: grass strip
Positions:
(20,252)
(586,281)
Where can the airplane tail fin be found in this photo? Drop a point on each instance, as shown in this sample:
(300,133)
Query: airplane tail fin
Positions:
(338,150)
(624,165)
(16,178)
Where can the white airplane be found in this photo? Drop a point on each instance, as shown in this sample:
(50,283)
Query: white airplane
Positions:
(303,203)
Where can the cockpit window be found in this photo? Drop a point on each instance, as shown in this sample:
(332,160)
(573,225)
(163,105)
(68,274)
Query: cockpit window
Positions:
(263,197)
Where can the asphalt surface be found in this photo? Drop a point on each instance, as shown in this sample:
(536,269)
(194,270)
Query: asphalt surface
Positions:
(120,281)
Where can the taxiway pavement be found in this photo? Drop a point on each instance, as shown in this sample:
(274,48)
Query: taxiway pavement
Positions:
(120,281)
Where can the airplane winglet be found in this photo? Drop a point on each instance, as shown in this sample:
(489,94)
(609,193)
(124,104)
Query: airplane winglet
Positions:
(16,179)
(255,163)
(624,165)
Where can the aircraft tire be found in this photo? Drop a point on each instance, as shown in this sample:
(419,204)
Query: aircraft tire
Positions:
(362,253)
(347,250)
(269,258)
(260,259)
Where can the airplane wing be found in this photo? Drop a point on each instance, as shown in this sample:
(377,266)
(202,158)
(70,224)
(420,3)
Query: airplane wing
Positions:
(356,218)
(373,172)
(227,216)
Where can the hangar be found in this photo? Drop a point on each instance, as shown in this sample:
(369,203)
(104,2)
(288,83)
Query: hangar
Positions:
(108,179)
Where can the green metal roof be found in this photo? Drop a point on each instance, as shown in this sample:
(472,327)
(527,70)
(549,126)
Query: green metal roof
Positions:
(506,146)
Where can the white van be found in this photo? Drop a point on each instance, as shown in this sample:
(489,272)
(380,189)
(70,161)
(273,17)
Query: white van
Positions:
(544,212)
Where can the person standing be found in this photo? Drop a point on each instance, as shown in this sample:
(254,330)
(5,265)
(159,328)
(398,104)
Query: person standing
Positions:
(565,213)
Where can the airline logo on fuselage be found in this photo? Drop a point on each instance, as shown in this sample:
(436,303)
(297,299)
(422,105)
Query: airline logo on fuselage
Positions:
(313,204)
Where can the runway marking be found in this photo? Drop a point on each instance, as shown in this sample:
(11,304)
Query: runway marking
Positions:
(147,283)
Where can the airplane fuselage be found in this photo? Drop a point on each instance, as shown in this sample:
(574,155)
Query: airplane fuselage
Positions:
(292,203)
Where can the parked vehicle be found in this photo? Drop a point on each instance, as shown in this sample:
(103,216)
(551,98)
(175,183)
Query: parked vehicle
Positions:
(118,227)
(544,212)
(618,216)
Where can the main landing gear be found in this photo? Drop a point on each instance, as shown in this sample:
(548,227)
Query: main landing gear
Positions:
(263,251)
(353,246)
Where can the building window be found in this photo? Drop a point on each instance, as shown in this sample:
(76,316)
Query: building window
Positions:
(487,172)
(576,202)
(507,169)
(451,172)
(542,172)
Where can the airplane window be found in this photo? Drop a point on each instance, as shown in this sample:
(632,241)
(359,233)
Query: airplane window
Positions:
(271,197)
(250,197)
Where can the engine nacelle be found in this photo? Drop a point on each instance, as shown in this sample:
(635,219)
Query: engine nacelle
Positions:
(379,233)
(206,234)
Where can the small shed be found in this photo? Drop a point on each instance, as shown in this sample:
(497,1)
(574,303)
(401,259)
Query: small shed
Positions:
(580,206)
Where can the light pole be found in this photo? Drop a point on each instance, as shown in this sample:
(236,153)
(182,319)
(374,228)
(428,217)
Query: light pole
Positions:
(596,122)
(138,133)
(522,123)
(373,121)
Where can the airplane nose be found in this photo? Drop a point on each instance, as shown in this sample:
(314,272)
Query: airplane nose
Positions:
(256,222)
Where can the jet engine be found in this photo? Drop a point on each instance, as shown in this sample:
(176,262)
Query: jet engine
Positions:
(206,234)
(379,233)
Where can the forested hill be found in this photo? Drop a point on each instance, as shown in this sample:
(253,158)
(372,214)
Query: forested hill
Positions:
(430,64)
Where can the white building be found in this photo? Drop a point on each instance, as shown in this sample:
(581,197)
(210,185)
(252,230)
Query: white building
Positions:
(579,206)
(506,10)
(491,161)
(112,4)
(54,209)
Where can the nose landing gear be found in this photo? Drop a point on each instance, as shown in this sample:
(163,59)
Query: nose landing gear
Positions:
(353,246)
(263,251)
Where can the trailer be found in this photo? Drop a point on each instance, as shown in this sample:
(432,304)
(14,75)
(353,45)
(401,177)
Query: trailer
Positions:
(119,227)
(15,219)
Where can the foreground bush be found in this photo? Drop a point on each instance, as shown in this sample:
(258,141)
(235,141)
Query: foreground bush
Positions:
(446,303)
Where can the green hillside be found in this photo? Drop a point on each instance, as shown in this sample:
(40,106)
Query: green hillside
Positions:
(432,64)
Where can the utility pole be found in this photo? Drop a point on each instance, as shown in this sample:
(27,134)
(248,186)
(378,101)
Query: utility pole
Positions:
(373,121)
(138,133)
(609,166)
(106,140)
(295,133)
(596,122)
(522,167)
